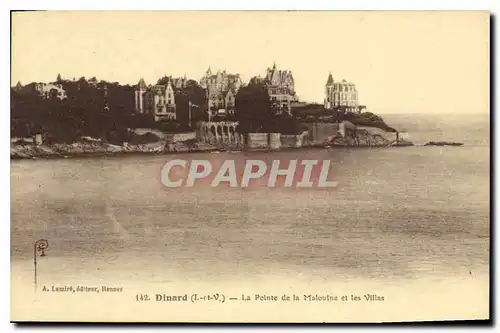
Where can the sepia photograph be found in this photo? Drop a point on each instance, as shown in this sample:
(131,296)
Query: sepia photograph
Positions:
(250,166)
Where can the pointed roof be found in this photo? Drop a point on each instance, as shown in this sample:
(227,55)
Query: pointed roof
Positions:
(209,71)
(226,93)
(330,79)
(142,83)
(276,77)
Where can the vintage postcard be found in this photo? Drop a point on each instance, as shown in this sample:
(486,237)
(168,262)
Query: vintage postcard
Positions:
(250,166)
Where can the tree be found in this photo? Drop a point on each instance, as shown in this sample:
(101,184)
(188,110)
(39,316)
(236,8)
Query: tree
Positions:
(59,79)
(163,80)
(196,94)
(53,93)
(25,107)
(284,124)
(252,107)
(120,98)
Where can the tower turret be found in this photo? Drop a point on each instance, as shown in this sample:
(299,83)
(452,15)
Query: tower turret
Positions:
(142,84)
(329,92)
(329,82)
(139,96)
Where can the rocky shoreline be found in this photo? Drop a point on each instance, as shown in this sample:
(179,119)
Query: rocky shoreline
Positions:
(96,149)
(101,149)
(365,139)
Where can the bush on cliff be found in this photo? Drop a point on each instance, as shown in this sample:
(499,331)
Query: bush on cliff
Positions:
(317,113)
(284,124)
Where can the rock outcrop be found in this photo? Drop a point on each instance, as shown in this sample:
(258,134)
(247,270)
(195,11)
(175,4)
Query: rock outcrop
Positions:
(443,143)
(362,138)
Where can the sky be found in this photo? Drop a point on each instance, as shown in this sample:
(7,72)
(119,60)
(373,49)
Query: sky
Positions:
(424,62)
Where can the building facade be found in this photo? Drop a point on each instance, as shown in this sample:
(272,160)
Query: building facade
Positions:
(341,94)
(221,89)
(223,133)
(158,100)
(179,82)
(45,90)
(280,86)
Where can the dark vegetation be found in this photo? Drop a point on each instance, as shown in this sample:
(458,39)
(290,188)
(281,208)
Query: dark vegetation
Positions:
(102,110)
(317,113)
(255,113)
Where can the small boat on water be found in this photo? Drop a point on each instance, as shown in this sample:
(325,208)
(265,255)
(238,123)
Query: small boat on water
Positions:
(443,143)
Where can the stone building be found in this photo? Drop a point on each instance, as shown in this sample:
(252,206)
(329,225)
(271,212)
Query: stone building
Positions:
(180,82)
(158,100)
(280,86)
(225,134)
(221,89)
(44,89)
(341,94)
(219,133)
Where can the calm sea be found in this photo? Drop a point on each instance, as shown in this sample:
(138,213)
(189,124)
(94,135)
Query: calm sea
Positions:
(398,214)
